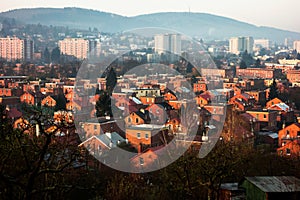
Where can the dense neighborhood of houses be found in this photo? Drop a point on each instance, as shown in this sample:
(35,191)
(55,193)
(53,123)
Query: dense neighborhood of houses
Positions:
(151,109)
(145,113)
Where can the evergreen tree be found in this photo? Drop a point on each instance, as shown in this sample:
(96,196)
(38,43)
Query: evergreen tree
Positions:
(257,63)
(103,105)
(111,80)
(61,102)
(273,90)
(247,59)
(55,55)
(243,65)
(46,55)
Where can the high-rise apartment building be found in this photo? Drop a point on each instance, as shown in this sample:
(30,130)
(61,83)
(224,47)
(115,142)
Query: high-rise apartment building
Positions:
(239,45)
(12,48)
(168,43)
(80,48)
(77,47)
(94,47)
(297,45)
(28,49)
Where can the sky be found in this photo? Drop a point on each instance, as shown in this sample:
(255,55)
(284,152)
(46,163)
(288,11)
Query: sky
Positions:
(283,14)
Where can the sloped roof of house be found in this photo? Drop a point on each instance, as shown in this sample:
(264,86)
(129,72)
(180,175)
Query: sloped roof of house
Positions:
(277,99)
(167,90)
(296,124)
(108,139)
(247,96)
(281,106)
(14,113)
(144,114)
(163,105)
(275,183)
(206,96)
(136,100)
(270,134)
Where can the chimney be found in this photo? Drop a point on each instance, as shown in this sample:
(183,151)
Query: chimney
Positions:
(139,148)
(108,135)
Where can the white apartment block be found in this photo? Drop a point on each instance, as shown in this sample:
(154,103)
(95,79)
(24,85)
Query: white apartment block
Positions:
(77,47)
(168,43)
(239,45)
(12,48)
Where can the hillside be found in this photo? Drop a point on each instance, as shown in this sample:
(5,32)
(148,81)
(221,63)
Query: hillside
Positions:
(203,25)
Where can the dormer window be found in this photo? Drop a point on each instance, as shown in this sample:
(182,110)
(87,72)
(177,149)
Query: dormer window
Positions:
(141,161)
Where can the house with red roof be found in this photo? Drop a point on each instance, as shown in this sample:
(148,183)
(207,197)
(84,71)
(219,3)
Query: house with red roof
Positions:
(289,140)
(31,98)
(143,136)
(49,101)
(242,101)
(160,112)
(273,102)
(138,117)
(169,96)
(203,99)
(284,112)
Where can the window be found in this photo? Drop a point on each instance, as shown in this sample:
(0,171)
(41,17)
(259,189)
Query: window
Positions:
(147,136)
(288,134)
(138,135)
(265,116)
(288,151)
(298,133)
(137,120)
(95,127)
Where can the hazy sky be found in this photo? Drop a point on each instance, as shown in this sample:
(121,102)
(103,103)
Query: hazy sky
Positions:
(282,14)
